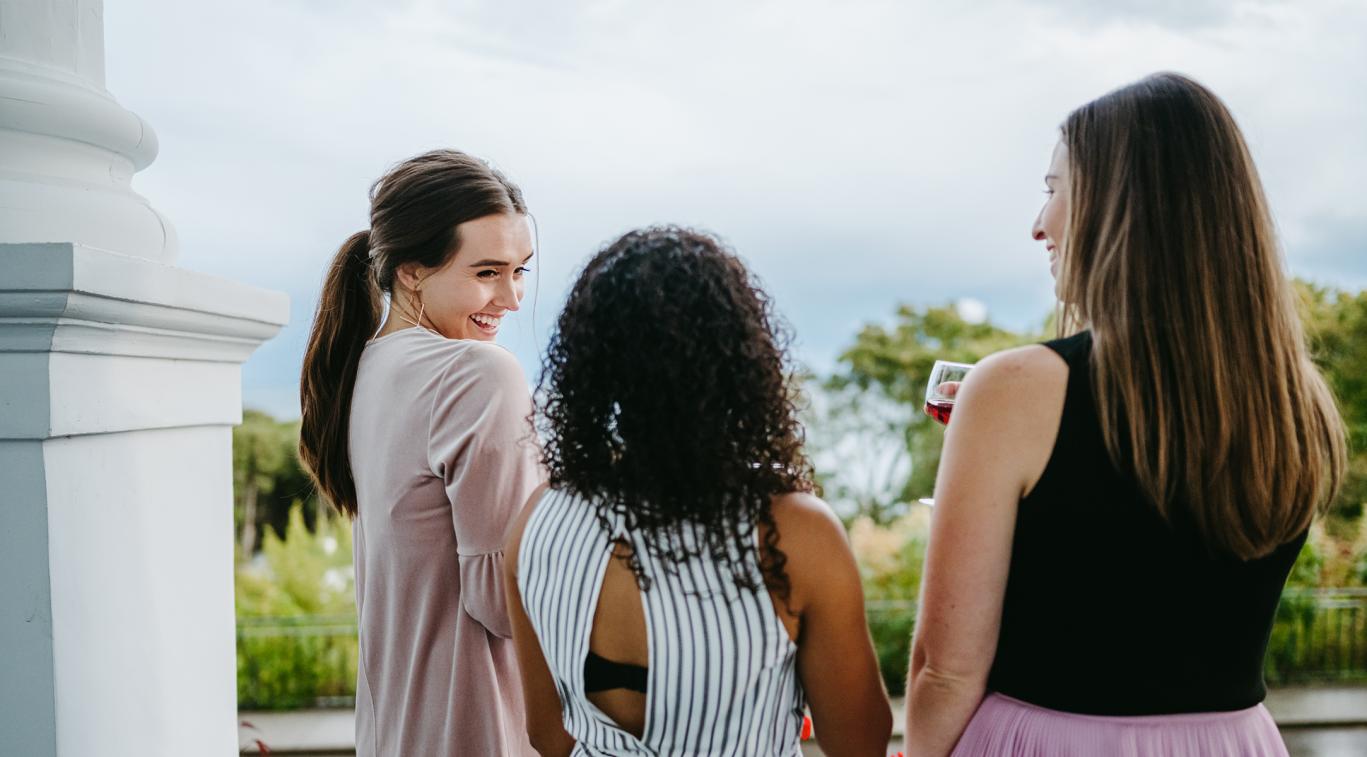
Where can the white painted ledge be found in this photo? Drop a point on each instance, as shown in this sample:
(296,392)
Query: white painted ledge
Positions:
(93,341)
(64,297)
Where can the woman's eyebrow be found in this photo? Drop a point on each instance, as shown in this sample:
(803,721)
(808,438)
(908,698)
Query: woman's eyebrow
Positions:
(492,263)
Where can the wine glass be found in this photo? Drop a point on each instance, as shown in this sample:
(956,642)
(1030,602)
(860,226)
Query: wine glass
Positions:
(945,378)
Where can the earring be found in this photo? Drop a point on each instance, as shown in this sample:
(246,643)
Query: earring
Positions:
(421,307)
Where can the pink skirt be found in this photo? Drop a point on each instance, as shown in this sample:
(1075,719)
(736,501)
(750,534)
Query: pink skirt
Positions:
(1006,726)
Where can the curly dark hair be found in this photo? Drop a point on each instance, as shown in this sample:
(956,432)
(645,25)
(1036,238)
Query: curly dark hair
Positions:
(667,399)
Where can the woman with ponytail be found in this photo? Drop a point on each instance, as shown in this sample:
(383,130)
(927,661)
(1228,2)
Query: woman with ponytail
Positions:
(416,425)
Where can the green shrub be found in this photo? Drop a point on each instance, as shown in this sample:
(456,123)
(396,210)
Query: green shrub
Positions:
(296,609)
(890,558)
(891,629)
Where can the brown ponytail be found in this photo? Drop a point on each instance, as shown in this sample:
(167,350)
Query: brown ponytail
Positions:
(348,315)
(414,212)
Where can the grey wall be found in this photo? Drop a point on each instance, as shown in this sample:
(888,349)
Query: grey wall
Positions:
(28,719)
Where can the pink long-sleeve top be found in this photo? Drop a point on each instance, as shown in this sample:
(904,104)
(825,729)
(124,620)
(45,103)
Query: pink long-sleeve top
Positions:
(443,457)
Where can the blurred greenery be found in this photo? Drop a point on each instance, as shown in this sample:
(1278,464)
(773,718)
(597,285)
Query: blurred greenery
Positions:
(890,557)
(304,573)
(296,610)
(268,479)
(875,399)
(1336,328)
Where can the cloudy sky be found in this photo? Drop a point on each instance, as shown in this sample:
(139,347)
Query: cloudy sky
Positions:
(856,154)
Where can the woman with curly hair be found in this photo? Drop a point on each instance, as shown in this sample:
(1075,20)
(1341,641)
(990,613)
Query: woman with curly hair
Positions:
(678,589)
(415,424)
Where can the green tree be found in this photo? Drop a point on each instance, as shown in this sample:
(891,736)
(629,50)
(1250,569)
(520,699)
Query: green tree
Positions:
(857,439)
(878,393)
(1336,330)
(308,572)
(267,476)
(296,611)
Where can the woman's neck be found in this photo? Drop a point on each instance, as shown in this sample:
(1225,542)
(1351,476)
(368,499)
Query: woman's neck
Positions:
(400,315)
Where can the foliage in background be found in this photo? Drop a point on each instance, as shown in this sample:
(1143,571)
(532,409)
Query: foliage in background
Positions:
(1336,328)
(858,442)
(296,610)
(873,445)
(267,479)
(308,572)
(890,558)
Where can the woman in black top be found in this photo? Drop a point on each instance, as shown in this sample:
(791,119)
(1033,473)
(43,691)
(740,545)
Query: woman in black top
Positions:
(1117,511)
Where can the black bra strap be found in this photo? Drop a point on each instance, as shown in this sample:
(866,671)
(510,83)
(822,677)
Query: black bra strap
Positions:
(601,674)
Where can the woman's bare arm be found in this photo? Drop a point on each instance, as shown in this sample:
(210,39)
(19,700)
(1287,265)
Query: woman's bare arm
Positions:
(835,658)
(1005,420)
(545,726)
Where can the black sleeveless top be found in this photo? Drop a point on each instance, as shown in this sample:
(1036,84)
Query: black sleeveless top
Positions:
(1109,610)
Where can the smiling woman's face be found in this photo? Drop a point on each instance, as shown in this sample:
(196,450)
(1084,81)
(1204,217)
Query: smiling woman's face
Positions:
(1053,217)
(468,297)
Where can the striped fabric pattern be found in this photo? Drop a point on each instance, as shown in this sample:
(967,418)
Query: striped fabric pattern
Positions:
(723,672)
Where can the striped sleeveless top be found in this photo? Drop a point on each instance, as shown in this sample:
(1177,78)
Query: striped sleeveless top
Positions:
(722,674)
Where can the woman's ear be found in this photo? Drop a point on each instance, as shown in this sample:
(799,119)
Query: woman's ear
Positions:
(409,275)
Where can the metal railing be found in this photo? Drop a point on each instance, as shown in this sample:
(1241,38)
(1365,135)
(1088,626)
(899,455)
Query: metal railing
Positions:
(296,662)
(1319,635)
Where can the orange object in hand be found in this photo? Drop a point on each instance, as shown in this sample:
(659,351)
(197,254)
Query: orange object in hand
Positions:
(806,727)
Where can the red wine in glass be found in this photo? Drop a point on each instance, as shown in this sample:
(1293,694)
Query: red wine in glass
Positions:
(945,379)
(939,409)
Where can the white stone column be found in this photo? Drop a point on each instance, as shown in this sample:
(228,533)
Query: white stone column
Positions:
(120,380)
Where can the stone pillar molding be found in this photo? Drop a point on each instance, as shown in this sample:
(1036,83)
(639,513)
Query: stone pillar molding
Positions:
(68,150)
(120,381)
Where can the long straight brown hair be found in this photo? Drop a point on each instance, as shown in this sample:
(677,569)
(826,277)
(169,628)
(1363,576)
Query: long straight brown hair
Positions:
(414,211)
(1204,385)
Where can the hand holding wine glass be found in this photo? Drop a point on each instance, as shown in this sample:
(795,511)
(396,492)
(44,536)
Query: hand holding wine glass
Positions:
(941,405)
(945,379)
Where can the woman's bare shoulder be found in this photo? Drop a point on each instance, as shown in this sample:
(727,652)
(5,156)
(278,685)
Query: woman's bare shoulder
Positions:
(805,520)
(1027,383)
(813,540)
(1008,414)
(1030,362)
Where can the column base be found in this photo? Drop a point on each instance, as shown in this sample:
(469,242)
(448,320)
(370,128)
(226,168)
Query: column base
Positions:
(121,382)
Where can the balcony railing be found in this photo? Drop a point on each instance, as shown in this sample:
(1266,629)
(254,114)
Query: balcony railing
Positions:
(1319,635)
(305,662)
(296,662)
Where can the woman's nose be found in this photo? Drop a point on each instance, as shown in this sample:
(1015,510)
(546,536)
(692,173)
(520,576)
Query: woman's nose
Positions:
(509,295)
